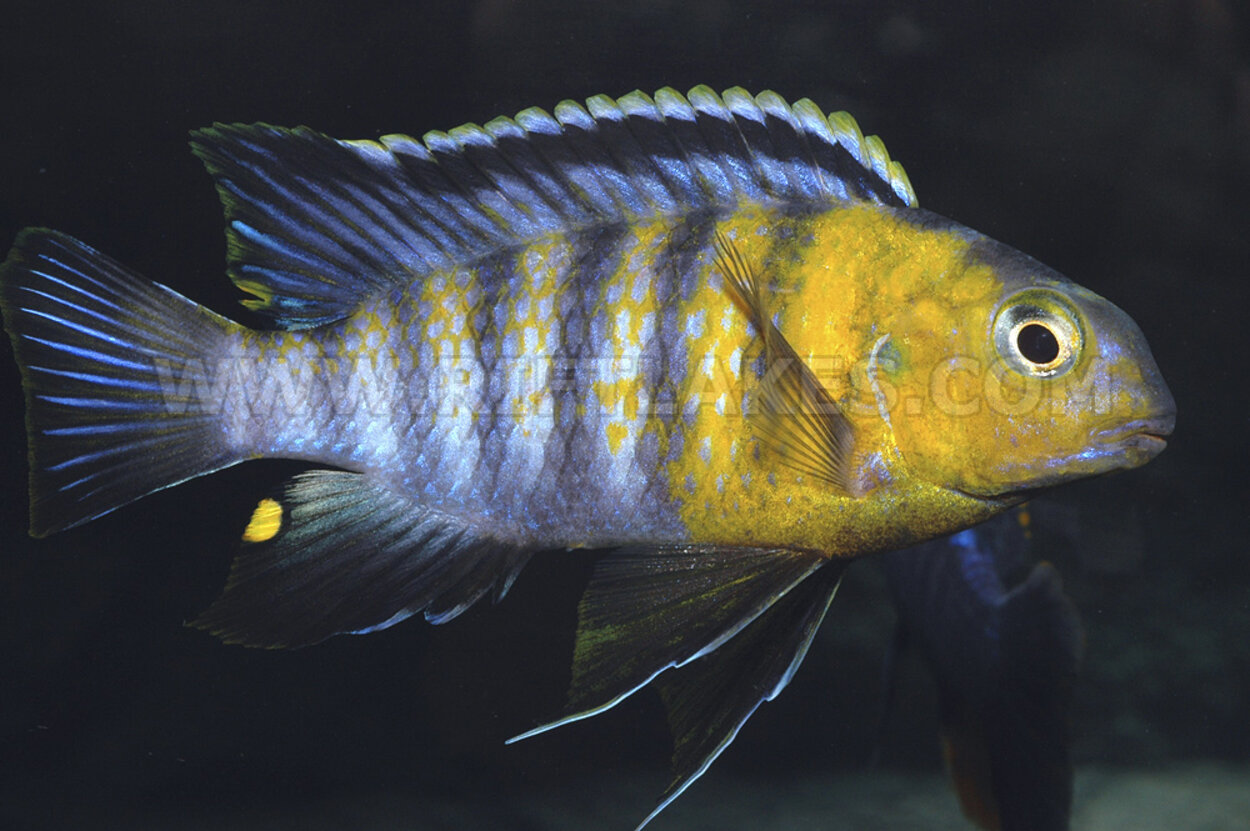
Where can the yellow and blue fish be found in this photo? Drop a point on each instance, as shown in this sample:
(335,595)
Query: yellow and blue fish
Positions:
(712,333)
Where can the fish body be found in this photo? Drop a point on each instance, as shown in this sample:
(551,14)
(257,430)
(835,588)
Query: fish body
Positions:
(1003,654)
(712,332)
(557,402)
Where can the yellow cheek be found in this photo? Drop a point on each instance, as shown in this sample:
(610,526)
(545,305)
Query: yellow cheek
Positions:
(980,427)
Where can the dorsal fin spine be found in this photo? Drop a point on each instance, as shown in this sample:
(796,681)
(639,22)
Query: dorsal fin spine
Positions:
(510,141)
(440,222)
(710,176)
(649,119)
(641,174)
(740,103)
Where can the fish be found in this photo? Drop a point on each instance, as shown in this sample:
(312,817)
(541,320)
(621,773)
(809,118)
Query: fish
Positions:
(1004,651)
(711,338)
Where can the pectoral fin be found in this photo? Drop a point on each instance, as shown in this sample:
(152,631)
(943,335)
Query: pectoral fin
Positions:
(796,416)
(649,609)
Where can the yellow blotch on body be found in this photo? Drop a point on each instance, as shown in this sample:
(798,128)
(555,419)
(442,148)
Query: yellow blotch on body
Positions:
(265,523)
(528,336)
(616,435)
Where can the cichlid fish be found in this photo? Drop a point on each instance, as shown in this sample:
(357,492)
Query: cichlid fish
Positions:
(1003,660)
(714,333)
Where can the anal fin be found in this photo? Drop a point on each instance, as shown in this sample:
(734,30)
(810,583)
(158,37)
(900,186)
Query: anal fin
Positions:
(337,552)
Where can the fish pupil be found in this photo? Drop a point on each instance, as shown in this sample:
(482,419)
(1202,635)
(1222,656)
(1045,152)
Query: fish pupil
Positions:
(1037,343)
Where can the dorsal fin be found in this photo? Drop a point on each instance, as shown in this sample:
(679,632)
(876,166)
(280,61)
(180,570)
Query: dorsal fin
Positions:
(315,225)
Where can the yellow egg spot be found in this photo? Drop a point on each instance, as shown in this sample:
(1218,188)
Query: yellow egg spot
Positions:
(265,523)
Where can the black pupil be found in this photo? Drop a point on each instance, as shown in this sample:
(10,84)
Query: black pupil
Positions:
(1037,343)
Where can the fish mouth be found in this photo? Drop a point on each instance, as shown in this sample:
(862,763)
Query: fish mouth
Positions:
(1144,437)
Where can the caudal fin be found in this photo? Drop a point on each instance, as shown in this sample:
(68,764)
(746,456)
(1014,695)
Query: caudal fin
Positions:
(115,373)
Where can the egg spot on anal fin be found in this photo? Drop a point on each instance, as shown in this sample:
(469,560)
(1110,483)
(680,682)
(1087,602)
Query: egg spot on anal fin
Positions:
(265,523)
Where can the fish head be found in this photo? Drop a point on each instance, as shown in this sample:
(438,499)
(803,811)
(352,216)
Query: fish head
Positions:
(1044,381)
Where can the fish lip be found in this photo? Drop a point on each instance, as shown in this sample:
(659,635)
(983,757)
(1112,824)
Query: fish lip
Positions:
(1146,434)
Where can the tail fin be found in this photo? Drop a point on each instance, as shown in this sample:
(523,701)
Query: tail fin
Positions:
(113,411)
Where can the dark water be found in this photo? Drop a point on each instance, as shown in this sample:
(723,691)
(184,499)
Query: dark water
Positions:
(1109,139)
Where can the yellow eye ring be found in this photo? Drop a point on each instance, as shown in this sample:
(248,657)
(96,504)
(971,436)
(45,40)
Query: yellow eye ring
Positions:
(1038,333)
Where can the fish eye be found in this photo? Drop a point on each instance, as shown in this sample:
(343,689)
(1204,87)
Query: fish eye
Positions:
(1036,343)
(1037,333)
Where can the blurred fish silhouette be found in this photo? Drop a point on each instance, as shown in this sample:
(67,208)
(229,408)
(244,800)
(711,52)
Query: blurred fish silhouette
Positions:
(1003,660)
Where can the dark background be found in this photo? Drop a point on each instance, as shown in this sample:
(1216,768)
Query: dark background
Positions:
(1109,139)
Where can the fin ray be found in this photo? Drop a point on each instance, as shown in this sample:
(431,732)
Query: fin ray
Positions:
(796,418)
(649,609)
(710,699)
